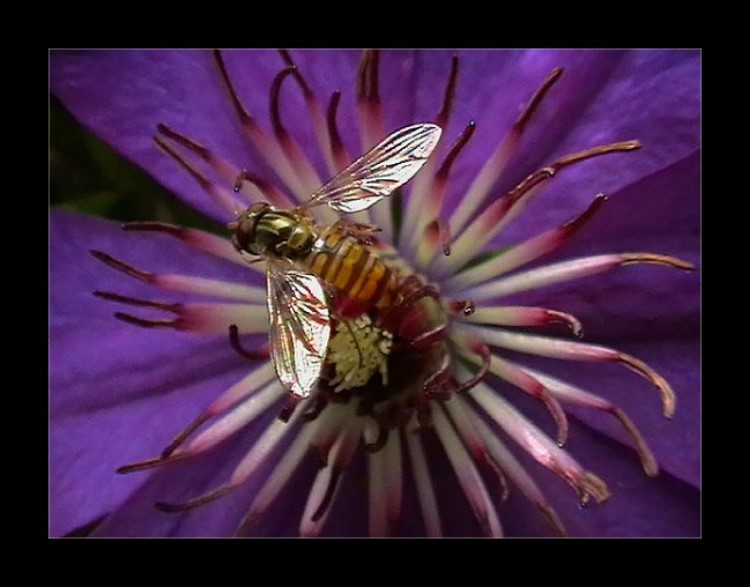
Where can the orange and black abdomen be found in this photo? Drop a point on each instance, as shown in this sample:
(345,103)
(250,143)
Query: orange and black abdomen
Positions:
(352,268)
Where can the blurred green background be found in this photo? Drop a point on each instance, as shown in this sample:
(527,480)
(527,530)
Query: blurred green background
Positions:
(87,176)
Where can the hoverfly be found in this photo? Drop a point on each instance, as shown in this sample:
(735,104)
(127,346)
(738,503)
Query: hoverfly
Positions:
(304,259)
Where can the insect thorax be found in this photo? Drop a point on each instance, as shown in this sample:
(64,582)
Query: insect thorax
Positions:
(264,230)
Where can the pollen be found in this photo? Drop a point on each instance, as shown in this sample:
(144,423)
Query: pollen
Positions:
(358,351)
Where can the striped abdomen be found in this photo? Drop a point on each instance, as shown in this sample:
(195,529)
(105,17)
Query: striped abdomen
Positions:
(352,268)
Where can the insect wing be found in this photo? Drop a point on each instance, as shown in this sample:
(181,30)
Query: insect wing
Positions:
(300,326)
(380,171)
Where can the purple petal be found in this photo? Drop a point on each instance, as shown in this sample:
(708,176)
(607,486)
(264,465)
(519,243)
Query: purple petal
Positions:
(110,381)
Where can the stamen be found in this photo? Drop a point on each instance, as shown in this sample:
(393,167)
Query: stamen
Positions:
(180,438)
(524,316)
(338,151)
(196,239)
(498,161)
(436,235)
(327,499)
(186,283)
(577,396)
(528,436)
(528,251)
(279,477)
(209,318)
(221,196)
(294,153)
(577,351)
(434,204)
(520,124)
(170,307)
(499,214)
(371,127)
(566,271)
(321,129)
(268,148)
(254,355)
(194,503)
(150,464)
(423,481)
(450,93)
(380,440)
(467,431)
(480,349)
(393,478)
(239,417)
(468,476)
(129,270)
(327,483)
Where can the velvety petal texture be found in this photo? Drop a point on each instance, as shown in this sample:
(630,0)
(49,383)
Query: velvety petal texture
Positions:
(119,393)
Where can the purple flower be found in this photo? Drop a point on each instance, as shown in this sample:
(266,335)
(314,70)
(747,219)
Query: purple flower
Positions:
(120,394)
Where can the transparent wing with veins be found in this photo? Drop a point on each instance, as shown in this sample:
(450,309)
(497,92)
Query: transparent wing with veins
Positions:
(380,171)
(300,326)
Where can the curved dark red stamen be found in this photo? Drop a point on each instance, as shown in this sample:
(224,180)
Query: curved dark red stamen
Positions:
(236,102)
(175,323)
(185,141)
(194,503)
(278,127)
(169,306)
(455,149)
(337,145)
(450,94)
(170,229)
(483,351)
(368,76)
(150,464)
(234,341)
(182,436)
(536,99)
(576,223)
(129,270)
(199,177)
(289,62)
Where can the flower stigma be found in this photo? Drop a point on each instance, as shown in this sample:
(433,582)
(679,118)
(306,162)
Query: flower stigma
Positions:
(416,362)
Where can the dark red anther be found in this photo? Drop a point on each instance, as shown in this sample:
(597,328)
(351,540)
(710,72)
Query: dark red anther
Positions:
(367,77)
(536,99)
(278,128)
(187,166)
(150,464)
(337,145)
(193,503)
(236,102)
(483,351)
(182,436)
(450,93)
(577,222)
(455,149)
(289,62)
(129,270)
(234,341)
